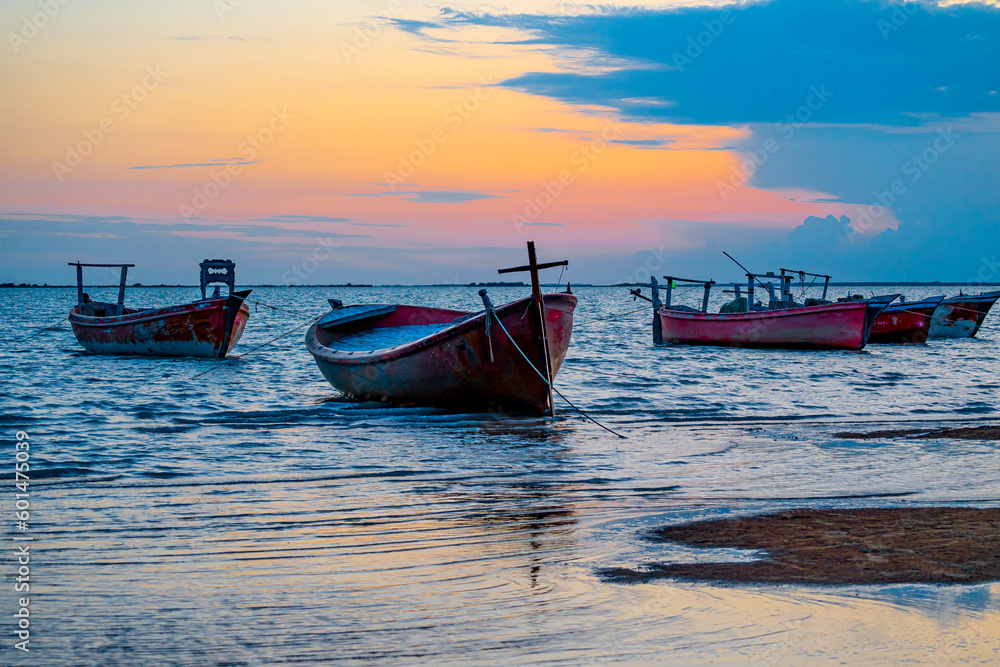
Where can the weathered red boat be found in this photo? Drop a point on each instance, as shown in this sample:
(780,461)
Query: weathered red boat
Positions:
(209,327)
(781,324)
(501,358)
(961,316)
(905,322)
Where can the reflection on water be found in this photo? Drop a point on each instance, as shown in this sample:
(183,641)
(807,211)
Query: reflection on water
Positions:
(252,517)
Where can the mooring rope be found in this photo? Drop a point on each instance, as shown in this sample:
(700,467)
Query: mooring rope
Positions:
(968,310)
(610,317)
(545,380)
(43,329)
(910,312)
(283,310)
(251,351)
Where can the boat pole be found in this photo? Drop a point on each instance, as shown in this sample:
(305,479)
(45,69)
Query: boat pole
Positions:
(751,277)
(121,291)
(79,284)
(536,295)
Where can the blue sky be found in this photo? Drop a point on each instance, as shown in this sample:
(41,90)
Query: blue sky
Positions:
(851,137)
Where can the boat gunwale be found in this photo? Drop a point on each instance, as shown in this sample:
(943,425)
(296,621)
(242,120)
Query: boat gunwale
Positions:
(359,357)
(930,302)
(147,315)
(762,314)
(974,298)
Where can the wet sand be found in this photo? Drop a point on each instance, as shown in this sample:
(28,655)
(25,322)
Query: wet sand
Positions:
(941,545)
(965,433)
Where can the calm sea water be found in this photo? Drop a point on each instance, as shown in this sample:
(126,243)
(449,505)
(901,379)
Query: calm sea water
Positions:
(254,517)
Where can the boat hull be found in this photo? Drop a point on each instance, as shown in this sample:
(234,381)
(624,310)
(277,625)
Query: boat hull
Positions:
(452,368)
(842,326)
(961,316)
(904,323)
(197,329)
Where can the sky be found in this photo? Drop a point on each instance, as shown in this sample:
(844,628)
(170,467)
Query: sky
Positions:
(396,142)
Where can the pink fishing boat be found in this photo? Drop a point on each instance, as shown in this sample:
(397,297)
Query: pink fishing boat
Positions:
(905,322)
(781,324)
(210,327)
(961,316)
(501,358)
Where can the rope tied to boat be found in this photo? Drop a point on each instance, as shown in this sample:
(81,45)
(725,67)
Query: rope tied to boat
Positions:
(262,345)
(282,310)
(41,330)
(908,312)
(610,317)
(491,312)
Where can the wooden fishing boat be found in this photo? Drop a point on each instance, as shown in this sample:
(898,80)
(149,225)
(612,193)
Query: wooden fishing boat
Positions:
(961,316)
(210,327)
(905,322)
(501,358)
(781,324)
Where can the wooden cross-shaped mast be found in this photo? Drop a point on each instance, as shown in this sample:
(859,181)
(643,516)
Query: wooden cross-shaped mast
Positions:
(536,295)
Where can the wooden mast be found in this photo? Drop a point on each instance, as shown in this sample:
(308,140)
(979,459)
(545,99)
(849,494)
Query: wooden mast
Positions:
(536,295)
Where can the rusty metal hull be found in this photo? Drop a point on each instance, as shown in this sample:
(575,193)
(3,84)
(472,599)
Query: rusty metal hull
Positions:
(197,329)
(905,323)
(833,326)
(451,368)
(961,316)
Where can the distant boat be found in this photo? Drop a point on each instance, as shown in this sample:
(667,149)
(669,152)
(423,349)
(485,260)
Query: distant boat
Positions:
(503,357)
(782,324)
(210,327)
(905,322)
(961,316)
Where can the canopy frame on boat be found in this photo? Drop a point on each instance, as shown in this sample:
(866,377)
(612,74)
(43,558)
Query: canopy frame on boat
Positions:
(787,280)
(120,306)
